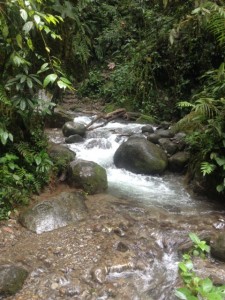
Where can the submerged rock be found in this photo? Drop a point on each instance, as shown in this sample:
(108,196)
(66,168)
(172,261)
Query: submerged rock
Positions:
(140,156)
(88,175)
(56,212)
(11,279)
(71,128)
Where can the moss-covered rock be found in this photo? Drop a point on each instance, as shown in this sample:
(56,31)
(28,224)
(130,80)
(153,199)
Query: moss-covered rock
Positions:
(61,156)
(140,156)
(179,161)
(88,175)
(11,279)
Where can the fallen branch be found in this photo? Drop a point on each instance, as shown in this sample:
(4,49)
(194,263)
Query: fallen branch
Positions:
(108,117)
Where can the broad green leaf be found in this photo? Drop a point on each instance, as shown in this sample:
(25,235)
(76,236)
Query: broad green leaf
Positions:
(5,31)
(214,296)
(51,78)
(220,188)
(4,137)
(30,44)
(19,40)
(29,83)
(65,80)
(28,26)
(206,285)
(194,238)
(22,104)
(37,19)
(38,160)
(16,177)
(61,84)
(23,14)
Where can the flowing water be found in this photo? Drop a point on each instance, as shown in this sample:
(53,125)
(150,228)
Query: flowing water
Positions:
(129,246)
(166,192)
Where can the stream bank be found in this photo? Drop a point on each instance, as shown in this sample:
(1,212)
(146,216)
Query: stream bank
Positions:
(125,248)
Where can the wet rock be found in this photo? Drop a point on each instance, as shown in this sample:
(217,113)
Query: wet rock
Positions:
(147,128)
(153,137)
(102,144)
(122,247)
(71,128)
(60,156)
(164,125)
(11,279)
(168,146)
(179,161)
(66,208)
(99,274)
(59,117)
(164,133)
(218,247)
(140,156)
(75,138)
(88,175)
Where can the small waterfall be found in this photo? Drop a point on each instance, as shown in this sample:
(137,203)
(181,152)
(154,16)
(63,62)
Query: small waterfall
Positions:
(166,192)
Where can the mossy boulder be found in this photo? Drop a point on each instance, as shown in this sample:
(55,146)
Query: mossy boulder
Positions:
(11,279)
(71,128)
(88,175)
(61,156)
(170,147)
(140,156)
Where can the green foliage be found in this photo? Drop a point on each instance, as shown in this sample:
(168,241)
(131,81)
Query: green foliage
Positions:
(205,126)
(194,286)
(28,32)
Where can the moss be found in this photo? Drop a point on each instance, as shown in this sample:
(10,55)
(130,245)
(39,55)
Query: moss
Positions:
(143,119)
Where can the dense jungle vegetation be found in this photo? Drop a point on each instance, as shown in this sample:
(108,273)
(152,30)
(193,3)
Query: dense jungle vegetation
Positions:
(164,58)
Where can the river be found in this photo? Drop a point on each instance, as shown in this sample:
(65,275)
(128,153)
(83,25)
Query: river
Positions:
(129,246)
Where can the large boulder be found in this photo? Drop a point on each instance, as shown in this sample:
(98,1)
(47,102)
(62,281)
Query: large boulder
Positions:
(179,161)
(76,138)
(11,279)
(140,156)
(55,212)
(71,128)
(61,156)
(88,175)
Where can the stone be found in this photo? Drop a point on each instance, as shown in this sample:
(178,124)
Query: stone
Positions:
(153,138)
(218,247)
(164,133)
(75,138)
(147,128)
(61,156)
(88,175)
(12,279)
(59,117)
(170,147)
(71,128)
(140,156)
(54,212)
(179,161)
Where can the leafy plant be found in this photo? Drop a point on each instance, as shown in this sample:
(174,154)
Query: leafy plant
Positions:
(194,286)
